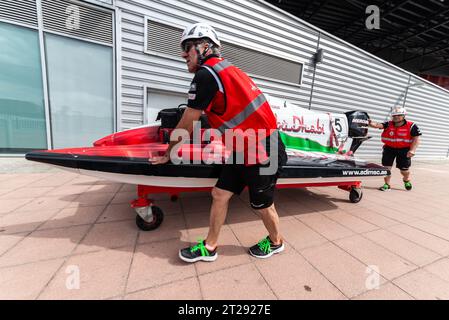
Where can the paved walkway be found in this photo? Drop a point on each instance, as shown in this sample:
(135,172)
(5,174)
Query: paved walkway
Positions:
(57,227)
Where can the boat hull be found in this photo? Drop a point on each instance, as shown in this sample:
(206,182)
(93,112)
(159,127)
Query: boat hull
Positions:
(299,170)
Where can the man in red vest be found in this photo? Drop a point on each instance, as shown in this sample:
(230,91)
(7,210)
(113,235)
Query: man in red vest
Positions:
(400,138)
(233,104)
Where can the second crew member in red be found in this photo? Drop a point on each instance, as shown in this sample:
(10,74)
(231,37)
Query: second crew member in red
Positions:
(401,139)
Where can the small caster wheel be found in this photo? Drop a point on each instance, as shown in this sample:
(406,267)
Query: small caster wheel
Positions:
(154,223)
(355,195)
(174,198)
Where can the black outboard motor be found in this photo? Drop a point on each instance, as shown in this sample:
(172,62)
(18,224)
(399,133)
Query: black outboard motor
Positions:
(358,128)
(170,118)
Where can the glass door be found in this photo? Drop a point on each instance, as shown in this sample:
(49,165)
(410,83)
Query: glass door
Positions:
(80,80)
(22,111)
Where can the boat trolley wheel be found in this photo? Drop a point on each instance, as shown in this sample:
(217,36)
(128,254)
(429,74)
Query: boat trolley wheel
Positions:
(355,195)
(149,218)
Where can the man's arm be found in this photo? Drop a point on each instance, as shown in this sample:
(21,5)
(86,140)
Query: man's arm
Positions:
(202,90)
(189,116)
(374,124)
(414,145)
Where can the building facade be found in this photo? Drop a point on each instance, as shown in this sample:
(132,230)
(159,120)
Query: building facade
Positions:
(73,71)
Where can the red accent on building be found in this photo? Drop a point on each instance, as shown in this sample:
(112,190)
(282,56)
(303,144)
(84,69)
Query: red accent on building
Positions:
(439,80)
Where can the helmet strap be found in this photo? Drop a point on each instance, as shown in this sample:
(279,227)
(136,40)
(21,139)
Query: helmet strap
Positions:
(202,56)
(206,49)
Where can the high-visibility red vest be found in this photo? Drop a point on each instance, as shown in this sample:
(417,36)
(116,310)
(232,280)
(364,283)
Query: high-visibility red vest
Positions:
(238,104)
(398,137)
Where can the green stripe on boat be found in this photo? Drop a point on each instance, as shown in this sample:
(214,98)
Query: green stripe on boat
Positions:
(305,144)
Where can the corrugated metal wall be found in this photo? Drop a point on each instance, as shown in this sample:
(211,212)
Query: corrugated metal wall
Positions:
(25,12)
(429,107)
(258,26)
(94,24)
(347,79)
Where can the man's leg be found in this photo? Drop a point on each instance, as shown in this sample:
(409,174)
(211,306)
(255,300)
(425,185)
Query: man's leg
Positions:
(270,219)
(406,178)
(405,175)
(388,156)
(273,243)
(403,163)
(228,183)
(261,194)
(387,179)
(219,209)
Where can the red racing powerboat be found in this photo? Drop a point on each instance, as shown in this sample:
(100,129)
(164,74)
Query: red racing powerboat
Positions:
(320,148)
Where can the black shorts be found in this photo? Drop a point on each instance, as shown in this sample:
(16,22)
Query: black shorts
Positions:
(235,177)
(402,161)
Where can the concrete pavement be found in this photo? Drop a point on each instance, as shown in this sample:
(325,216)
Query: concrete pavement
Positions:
(66,236)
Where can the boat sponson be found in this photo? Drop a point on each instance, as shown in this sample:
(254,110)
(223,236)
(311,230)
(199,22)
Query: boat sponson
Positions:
(295,168)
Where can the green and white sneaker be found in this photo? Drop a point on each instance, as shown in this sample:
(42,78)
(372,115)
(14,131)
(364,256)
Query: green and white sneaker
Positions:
(265,248)
(385,187)
(198,252)
(408,185)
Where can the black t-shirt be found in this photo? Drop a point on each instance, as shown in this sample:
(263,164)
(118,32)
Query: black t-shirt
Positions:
(202,89)
(414,130)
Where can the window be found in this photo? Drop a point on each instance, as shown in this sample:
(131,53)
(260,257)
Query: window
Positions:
(158,100)
(80,79)
(22,112)
(255,63)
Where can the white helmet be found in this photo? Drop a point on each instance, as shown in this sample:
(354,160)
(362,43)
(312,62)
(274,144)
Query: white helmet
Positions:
(398,111)
(198,31)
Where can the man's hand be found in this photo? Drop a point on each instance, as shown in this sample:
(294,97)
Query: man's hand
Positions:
(160,160)
(410,154)
(374,124)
